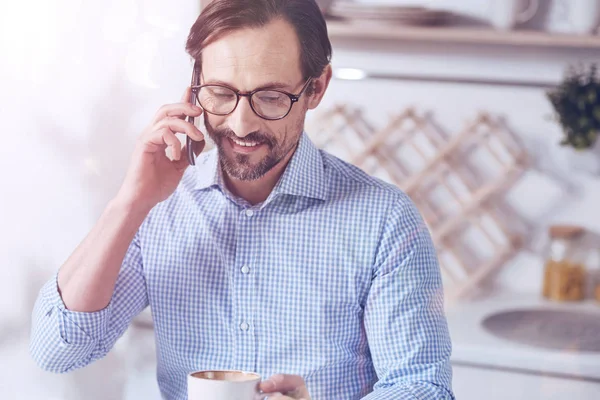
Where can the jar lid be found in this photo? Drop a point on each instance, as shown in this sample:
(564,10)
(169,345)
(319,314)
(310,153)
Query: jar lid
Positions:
(565,231)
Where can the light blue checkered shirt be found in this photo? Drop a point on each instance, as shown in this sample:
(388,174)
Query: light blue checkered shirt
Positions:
(334,277)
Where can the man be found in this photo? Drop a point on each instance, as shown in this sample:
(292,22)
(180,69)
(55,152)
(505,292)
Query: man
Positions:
(268,255)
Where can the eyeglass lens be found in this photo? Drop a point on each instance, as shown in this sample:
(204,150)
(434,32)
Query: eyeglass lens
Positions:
(221,100)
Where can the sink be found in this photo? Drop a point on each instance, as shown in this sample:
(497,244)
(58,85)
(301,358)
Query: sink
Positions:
(570,331)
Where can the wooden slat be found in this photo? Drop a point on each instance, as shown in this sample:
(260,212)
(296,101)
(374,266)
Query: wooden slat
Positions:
(449,161)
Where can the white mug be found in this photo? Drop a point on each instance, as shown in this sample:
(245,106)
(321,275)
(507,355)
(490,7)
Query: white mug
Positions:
(223,385)
(506,13)
(583,15)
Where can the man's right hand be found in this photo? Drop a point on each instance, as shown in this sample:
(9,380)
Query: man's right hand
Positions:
(86,282)
(152,177)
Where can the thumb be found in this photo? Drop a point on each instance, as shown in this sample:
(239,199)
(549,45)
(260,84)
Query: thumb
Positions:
(282,383)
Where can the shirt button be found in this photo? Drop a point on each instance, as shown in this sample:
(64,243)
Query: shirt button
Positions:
(244,326)
(245,269)
(249,213)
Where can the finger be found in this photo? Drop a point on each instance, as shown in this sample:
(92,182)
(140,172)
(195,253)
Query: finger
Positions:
(180,126)
(171,141)
(161,139)
(186,99)
(183,162)
(177,110)
(282,383)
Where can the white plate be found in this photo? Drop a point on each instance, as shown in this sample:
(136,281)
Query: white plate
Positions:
(423,17)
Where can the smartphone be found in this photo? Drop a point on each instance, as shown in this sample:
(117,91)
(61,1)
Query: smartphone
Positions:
(189,142)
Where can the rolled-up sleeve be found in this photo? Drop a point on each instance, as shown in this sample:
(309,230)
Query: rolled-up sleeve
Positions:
(404,315)
(63,340)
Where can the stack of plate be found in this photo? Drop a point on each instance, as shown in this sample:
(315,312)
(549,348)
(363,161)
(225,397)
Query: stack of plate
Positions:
(389,13)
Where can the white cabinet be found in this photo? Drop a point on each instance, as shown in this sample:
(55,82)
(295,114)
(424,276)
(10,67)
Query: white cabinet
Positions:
(472,383)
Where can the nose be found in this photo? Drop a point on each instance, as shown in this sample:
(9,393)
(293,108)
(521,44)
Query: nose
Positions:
(243,120)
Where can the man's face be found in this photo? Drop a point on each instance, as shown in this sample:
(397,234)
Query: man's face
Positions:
(246,60)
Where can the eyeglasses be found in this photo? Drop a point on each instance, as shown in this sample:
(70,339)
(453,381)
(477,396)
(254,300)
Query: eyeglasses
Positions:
(269,104)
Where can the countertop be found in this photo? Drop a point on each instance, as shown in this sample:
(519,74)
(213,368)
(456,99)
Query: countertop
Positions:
(473,345)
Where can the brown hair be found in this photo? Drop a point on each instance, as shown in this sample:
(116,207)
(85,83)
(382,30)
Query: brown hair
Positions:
(223,16)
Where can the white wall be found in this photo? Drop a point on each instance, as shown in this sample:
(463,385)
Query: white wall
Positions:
(79,80)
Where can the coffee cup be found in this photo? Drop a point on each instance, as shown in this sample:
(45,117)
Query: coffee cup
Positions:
(506,13)
(223,385)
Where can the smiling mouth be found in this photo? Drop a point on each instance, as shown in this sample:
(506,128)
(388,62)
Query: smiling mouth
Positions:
(239,146)
(245,144)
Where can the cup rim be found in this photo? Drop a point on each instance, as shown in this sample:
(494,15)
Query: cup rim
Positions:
(247,373)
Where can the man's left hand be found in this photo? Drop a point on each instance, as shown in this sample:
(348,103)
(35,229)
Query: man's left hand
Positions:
(285,387)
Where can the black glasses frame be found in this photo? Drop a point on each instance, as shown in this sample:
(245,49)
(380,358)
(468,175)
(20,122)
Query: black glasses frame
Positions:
(293,98)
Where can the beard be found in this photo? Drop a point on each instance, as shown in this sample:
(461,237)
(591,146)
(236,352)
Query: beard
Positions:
(240,166)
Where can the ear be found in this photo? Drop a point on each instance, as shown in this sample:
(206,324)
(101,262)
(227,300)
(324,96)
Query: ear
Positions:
(319,87)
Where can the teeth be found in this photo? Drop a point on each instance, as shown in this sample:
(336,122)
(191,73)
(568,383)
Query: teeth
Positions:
(250,144)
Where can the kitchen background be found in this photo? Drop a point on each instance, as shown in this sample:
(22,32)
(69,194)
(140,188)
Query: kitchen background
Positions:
(449,104)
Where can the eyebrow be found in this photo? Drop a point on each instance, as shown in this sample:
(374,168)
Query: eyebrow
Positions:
(268,85)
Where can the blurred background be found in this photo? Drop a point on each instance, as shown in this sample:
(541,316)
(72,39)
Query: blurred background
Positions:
(485,112)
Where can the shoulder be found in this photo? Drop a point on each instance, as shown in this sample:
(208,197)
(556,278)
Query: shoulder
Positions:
(395,212)
(346,179)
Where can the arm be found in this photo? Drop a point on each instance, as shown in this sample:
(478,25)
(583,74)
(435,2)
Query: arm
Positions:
(404,315)
(63,340)
(79,315)
(86,281)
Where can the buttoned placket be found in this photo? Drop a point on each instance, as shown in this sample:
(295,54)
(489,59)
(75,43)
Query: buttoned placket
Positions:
(245,288)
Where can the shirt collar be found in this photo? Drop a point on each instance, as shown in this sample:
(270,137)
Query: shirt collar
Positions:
(207,170)
(303,176)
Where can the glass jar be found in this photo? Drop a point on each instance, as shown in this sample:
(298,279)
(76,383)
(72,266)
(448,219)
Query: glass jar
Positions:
(593,268)
(565,271)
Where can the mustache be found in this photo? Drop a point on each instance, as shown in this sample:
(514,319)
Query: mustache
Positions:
(256,136)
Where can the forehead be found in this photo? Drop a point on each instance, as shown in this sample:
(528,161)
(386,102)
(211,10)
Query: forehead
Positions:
(248,58)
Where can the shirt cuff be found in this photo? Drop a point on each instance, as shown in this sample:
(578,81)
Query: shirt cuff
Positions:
(75,327)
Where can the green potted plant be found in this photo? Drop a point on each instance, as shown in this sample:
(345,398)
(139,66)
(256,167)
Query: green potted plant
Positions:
(576,102)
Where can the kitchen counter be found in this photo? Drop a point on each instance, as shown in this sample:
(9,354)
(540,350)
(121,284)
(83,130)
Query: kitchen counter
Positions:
(475,346)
